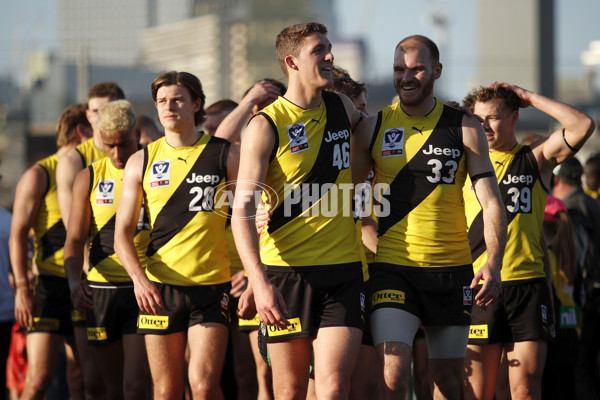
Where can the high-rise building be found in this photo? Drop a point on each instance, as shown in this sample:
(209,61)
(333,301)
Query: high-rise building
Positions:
(230,44)
(523,56)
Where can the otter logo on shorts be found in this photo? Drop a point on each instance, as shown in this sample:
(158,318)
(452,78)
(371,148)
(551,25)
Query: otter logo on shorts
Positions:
(160,173)
(478,332)
(96,333)
(153,322)
(388,296)
(293,327)
(467,296)
(297,135)
(393,142)
(45,324)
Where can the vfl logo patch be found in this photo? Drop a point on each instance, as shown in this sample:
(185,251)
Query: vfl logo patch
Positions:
(105,192)
(297,135)
(153,322)
(293,327)
(467,296)
(388,296)
(478,332)
(160,173)
(96,333)
(393,142)
(362,302)
(544,314)
(224,301)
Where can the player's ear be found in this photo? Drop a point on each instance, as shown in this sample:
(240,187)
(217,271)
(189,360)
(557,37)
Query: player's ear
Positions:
(437,71)
(290,63)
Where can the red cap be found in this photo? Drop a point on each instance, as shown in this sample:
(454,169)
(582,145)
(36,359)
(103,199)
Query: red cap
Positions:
(553,207)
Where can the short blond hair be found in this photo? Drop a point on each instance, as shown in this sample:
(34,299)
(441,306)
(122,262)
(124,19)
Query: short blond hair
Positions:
(116,116)
(289,41)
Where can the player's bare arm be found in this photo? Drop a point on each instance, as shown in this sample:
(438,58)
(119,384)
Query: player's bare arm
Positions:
(28,197)
(66,170)
(578,127)
(128,212)
(231,127)
(486,189)
(360,156)
(354,115)
(257,146)
(77,236)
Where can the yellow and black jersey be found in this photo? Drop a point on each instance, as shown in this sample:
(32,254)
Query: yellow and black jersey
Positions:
(49,231)
(309,186)
(422,159)
(181,191)
(524,196)
(89,152)
(105,190)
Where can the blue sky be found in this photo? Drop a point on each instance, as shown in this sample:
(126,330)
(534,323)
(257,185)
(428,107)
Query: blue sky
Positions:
(31,24)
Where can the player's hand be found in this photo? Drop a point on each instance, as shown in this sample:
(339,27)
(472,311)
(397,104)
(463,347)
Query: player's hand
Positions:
(524,94)
(81,295)
(492,284)
(147,297)
(24,307)
(461,108)
(263,93)
(270,305)
(238,284)
(246,306)
(263,216)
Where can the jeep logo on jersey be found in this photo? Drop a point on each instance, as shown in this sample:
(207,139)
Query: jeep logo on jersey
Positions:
(393,142)
(160,173)
(297,136)
(105,194)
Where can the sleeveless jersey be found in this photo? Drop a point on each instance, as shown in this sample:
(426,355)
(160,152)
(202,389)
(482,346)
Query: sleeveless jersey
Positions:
(89,152)
(105,190)
(309,186)
(49,231)
(422,160)
(524,196)
(187,243)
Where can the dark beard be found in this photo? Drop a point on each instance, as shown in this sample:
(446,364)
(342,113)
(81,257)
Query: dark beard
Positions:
(426,90)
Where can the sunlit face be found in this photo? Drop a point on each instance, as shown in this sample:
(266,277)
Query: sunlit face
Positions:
(119,146)
(499,124)
(315,60)
(95,104)
(414,75)
(175,108)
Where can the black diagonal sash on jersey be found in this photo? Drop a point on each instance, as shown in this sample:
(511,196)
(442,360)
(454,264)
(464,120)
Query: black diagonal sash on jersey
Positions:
(411,187)
(175,214)
(522,163)
(54,239)
(323,171)
(103,244)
